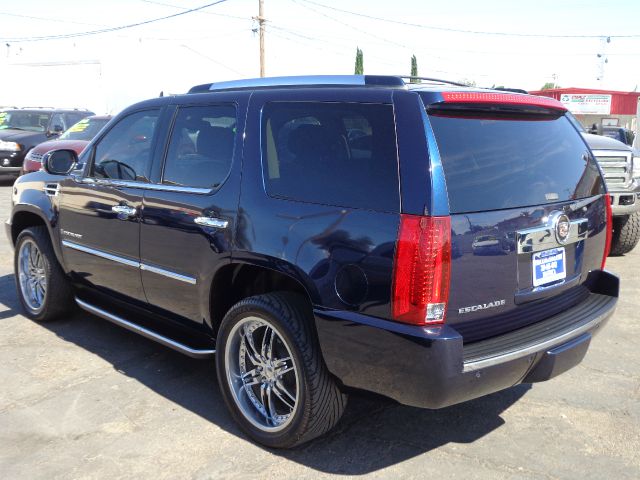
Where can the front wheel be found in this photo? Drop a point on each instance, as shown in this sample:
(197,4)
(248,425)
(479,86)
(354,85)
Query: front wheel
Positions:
(271,372)
(626,234)
(43,288)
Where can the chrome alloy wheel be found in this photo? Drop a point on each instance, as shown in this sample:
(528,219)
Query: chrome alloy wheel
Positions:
(262,374)
(32,275)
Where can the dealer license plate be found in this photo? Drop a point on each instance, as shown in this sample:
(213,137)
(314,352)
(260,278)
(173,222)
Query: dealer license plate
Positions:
(549,266)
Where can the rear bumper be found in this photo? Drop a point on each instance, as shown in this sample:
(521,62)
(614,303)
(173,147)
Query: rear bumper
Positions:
(430,367)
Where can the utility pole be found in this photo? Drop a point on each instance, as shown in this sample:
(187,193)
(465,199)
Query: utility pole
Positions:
(261,21)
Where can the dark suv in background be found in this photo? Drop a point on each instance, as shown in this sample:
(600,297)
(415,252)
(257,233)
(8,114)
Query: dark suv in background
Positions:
(24,128)
(318,235)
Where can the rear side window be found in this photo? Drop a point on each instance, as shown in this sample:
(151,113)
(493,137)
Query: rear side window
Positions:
(341,154)
(501,162)
(201,146)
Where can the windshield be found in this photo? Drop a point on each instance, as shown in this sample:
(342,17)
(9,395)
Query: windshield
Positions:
(19,120)
(85,129)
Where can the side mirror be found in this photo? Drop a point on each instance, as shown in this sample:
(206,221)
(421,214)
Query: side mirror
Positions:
(59,162)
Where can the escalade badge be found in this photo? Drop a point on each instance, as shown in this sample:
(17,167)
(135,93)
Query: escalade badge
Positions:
(484,306)
(562,226)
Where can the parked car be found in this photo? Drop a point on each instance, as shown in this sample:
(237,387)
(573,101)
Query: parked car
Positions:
(23,129)
(621,134)
(620,165)
(239,221)
(75,138)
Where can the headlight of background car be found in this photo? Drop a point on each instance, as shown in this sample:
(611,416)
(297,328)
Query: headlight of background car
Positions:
(10,146)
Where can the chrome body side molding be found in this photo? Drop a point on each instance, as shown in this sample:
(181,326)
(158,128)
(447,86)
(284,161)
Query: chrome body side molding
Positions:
(145,332)
(130,263)
(101,254)
(168,273)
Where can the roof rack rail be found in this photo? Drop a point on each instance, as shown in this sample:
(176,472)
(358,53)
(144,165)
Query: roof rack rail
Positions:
(435,80)
(303,81)
(512,90)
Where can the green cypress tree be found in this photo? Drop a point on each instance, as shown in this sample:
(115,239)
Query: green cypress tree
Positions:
(414,69)
(359,70)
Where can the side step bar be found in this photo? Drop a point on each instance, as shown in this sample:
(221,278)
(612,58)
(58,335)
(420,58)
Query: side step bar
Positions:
(151,335)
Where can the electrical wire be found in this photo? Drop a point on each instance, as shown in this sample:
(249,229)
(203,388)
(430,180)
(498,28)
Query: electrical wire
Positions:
(109,29)
(456,30)
(226,15)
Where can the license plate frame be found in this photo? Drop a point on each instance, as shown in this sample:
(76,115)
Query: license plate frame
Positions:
(549,266)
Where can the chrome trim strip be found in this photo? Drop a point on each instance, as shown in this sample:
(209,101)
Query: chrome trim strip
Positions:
(541,238)
(130,263)
(168,273)
(167,342)
(211,222)
(538,347)
(101,254)
(147,186)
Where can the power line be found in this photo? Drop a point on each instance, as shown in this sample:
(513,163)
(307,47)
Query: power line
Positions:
(57,20)
(456,30)
(108,30)
(386,40)
(226,15)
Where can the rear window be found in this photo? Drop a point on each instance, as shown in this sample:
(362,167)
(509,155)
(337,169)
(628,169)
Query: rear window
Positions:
(341,154)
(499,162)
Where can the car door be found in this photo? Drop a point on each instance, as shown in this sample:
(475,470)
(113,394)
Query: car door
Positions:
(99,216)
(190,213)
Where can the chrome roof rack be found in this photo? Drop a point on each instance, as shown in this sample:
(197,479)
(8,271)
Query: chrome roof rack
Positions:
(303,81)
(432,80)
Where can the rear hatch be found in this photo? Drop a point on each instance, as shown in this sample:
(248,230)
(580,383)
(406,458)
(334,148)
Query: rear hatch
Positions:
(519,179)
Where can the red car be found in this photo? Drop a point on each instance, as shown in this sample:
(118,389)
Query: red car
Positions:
(76,137)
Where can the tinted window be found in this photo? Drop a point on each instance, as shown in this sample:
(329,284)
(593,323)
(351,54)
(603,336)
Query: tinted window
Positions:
(340,154)
(201,146)
(24,120)
(57,123)
(506,162)
(124,153)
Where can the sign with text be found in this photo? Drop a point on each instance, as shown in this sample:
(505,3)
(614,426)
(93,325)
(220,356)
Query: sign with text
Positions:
(587,103)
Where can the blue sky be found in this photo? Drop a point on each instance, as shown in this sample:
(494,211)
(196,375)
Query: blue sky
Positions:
(108,71)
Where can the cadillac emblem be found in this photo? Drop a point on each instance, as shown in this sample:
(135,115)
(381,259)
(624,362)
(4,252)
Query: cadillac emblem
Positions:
(562,226)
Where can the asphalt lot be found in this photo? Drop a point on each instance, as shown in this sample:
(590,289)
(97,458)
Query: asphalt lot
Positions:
(81,398)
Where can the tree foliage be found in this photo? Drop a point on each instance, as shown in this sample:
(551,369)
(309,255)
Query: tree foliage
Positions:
(414,69)
(359,70)
(549,86)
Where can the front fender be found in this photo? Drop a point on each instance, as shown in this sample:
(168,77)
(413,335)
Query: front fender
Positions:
(29,199)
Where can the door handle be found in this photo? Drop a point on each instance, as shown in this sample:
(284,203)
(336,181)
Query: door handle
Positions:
(211,222)
(124,211)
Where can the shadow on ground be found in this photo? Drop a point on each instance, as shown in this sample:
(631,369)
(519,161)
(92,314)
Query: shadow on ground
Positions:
(374,433)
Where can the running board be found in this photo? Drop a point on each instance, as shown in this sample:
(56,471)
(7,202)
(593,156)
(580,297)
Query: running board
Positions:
(151,335)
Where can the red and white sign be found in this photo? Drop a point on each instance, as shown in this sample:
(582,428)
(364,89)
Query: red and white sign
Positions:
(587,103)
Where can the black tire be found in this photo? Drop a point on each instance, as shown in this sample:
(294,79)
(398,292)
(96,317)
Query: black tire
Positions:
(58,298)
(321,403)
(626,234)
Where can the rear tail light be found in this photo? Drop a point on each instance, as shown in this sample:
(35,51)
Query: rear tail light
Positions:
(422,270)
(609,227)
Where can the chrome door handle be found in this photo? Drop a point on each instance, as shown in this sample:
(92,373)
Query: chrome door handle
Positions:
(211,222)
(124,211)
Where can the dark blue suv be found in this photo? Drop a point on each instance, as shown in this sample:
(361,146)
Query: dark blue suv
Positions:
(428,242)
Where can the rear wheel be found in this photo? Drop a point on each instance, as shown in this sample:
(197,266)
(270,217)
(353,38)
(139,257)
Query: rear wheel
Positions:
(43,288)
(626,234)
(271,372)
